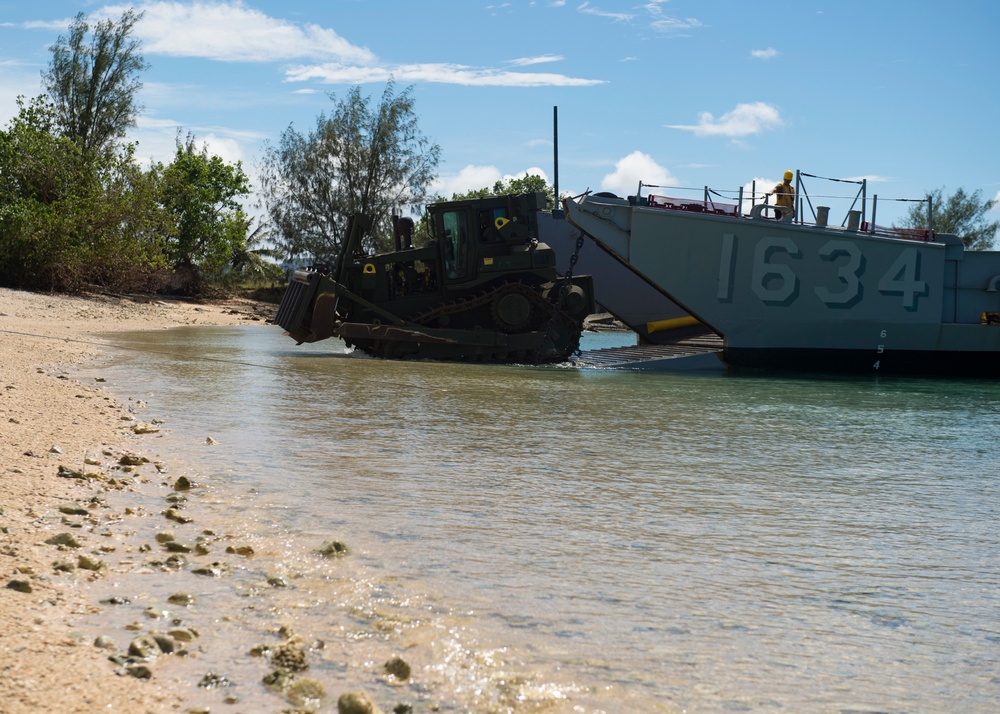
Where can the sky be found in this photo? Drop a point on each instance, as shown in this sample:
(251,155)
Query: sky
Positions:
(680,94)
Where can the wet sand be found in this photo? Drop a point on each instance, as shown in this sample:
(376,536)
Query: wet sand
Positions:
(50,425)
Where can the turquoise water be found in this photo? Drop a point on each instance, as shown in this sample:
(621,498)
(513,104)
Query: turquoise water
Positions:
(625,541)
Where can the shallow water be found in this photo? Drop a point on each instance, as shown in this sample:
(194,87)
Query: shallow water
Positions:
(544,538)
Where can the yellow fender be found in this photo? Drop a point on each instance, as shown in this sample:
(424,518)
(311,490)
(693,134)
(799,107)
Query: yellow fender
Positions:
(672,324)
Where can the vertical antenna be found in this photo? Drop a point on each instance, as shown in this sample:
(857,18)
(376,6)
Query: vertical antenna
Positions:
(557,212)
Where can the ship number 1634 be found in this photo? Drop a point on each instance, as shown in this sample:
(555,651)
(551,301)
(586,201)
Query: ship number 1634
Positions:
(776,283)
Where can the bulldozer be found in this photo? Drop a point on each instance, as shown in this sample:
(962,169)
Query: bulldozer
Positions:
(484,288)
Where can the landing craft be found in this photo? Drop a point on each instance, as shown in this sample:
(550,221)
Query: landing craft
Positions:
(790,295)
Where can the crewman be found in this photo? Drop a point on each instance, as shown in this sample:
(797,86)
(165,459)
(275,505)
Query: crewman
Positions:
(784,194)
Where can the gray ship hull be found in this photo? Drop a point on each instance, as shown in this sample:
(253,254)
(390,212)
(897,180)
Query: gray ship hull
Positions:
(795,297)
(619,290)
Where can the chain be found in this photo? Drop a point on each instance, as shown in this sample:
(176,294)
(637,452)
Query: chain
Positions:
(563,291)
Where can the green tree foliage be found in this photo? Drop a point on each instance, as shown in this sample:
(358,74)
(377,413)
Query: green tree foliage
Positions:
(94,87)
(76,210)
(201,193)
(249,262)
(358,160)
(529,183)
(961,213)
(68,220)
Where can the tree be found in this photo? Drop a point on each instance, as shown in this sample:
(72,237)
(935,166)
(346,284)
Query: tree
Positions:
(961,213)
(202,193)
(67,220)
(94,86)
(529,183)
(358,160)
(249,261)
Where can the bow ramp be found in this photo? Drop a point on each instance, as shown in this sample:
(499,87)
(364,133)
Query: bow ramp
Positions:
(695,354)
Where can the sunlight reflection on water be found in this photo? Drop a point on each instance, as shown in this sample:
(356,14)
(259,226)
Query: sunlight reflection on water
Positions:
(700,542)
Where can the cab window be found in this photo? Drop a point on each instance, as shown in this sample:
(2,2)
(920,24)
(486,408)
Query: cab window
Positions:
(488,232)
(456,236)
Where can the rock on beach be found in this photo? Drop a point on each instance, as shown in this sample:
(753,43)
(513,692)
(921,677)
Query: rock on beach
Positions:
(42,407)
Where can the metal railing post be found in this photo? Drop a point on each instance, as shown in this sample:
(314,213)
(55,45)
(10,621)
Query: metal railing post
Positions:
(864,197)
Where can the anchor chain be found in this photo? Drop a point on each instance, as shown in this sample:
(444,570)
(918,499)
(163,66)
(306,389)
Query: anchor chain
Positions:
(563,291)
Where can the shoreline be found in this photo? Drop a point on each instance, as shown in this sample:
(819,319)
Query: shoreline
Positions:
(98,555)
(49,424)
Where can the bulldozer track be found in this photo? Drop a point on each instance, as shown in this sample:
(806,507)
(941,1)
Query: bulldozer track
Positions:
(552,323)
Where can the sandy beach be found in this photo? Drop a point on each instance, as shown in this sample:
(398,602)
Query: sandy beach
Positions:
(101,542)
(61,450)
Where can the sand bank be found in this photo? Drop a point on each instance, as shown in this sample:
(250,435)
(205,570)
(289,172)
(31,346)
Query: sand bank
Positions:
(48,421)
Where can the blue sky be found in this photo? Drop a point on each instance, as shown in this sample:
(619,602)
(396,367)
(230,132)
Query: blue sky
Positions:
(681,93)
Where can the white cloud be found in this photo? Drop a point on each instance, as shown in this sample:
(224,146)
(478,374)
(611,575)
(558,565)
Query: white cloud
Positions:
(586,9)
(233,32)
(225,147)
(661,22)
(56,25)
(469,178)
(541,59)
(744,120)
(531,171)
(996,205)
(655,17)
(769,53)
(870,178)
(336,73)
(761,186)
(157,140)
(632,169)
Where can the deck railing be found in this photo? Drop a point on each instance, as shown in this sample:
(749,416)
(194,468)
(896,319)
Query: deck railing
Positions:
(855,218)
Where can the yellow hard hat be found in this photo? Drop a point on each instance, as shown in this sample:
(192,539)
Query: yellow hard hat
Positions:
(789,176)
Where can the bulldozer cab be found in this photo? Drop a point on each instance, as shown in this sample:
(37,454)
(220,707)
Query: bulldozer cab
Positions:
(474,233)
